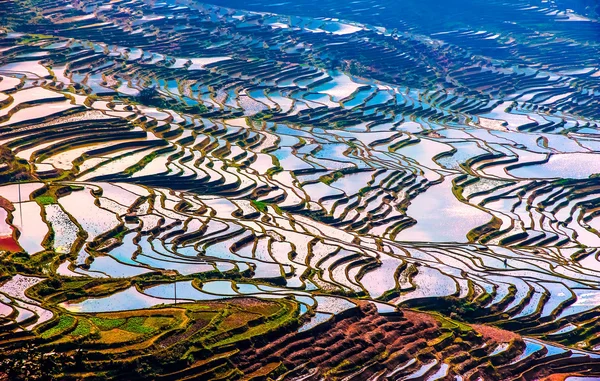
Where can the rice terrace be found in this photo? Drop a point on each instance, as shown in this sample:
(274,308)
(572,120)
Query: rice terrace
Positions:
(300,190)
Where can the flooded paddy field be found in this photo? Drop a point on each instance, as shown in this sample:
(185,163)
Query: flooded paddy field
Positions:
(299,190)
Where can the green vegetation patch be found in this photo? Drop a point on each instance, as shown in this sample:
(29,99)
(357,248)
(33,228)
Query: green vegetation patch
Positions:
(30,38)
(331,178)
(65,322)
(142,163)
(106,324)
(136,325)
(84,328)
(261,206)
(45,200)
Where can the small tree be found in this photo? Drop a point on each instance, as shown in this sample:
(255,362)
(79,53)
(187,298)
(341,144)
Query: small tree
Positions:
(148,93)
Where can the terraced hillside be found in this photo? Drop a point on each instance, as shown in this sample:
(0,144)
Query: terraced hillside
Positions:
(299,190)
